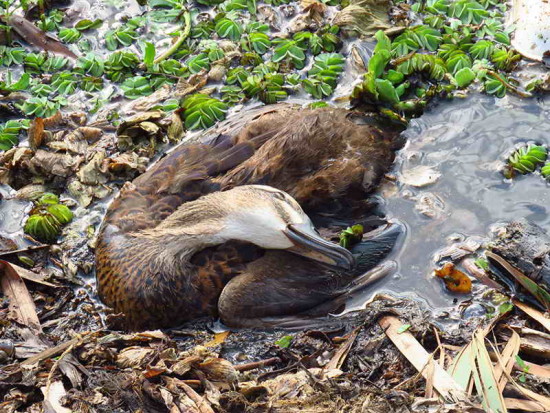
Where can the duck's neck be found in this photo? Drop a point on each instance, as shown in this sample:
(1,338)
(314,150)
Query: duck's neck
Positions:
(193,227)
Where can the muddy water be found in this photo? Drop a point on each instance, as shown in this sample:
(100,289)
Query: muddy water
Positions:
(466,141)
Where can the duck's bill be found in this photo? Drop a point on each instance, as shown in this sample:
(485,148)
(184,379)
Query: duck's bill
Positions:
(309,244)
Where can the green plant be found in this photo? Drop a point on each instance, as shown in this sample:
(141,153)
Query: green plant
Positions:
(198,63)
(202,111)
(40,107)
(137,86)
(9,134)
(12,55)
(47,217)
(69,35)
(527,158)
(64,83)
(120,65)
(230,29)
(260,42)
(290,51)
(91,65)
(351,235)
(123,36)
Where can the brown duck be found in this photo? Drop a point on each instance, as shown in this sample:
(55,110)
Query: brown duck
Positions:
(201,233)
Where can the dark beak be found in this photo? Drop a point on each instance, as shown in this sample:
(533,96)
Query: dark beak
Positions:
(308,243)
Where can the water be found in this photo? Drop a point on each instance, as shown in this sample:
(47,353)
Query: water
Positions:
(467,142)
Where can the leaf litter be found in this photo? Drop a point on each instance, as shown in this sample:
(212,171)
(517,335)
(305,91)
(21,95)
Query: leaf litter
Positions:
(59,352)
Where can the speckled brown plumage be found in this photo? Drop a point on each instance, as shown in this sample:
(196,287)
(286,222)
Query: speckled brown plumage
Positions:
(314,155)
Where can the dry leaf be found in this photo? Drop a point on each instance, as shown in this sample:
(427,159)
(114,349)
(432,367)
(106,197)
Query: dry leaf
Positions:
(36,133)
(134,356)
(36,37)
(446,386)
(52,399)
(219,338)
(419,176)
(218,369)
(21,302)
(455,280)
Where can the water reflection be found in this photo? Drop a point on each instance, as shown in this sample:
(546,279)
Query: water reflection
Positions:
(466,141)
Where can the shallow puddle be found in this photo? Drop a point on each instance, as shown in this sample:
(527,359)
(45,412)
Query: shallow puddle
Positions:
(467,142)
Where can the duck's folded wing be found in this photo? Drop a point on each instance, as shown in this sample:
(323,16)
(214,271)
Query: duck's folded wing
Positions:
(185,173)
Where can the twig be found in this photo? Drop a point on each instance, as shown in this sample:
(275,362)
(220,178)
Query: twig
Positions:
(56,363)
(28,249)
(78,340)
(181,39)
(519,92)
(257,364)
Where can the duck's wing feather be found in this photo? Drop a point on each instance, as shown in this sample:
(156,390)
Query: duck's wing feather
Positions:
(318,155)
(186,173)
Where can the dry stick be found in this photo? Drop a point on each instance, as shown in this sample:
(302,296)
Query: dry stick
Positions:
(419,358)
(181,39)
(257,364)
(517,91)
(79,339)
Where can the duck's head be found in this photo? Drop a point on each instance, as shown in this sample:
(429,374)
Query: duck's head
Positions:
(261,215)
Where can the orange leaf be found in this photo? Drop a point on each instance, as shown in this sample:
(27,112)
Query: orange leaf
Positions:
(455,280)
(219,338)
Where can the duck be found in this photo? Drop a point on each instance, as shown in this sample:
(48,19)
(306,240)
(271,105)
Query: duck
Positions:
(221,227)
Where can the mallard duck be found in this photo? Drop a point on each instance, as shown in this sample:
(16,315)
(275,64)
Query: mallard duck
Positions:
(219,229)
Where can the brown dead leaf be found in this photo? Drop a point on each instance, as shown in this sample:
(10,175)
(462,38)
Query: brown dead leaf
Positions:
(195,402)
(36,37)
(36,133)
(455,280)
(151,372)
(219,338)
(134,356)
(341,354)
(218,369)
(21,302)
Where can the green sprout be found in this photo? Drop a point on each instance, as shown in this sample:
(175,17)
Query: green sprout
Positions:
(351,236)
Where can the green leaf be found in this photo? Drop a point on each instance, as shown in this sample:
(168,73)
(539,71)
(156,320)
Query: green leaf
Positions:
(149,54)
(40,107)
(198,63)
(284,342)
(482,263)
(69,35)
(91,64)
(495,87)
(378,62)
(136,87)
(505,307)
(458,60)
(61,213)
(9,134)
(464,77)
(386,91)
(229,29)
(43,227)
(383,42)
(527,158)
(289,50)
(48,199)
(481,49)
(260,42)
(201,111)
(88,24)
(351,235)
